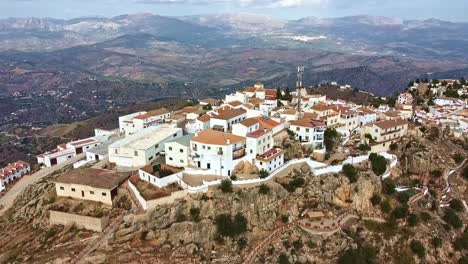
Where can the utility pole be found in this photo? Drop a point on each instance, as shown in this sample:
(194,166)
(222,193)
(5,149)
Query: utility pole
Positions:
(300,73)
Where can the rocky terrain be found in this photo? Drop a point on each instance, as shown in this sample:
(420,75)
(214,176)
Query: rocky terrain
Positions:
(229,227)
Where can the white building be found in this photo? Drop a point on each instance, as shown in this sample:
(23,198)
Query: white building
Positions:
(13,172)
(133,123)
(143,147)
(178,151)
(223,118)
(270,160)
(238,96)
(67,151)
(405,99)
(199,124)
(309,131)
(217,152)
(448,101)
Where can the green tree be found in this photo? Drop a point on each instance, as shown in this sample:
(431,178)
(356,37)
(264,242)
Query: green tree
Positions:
(425,216)
(375,199)
(360,255)
(458,157)
(379,163)
(350,172)
(418,248)
(388,186)
(263,174)
(264,189)
(393,146)
(329,138)
(208,107)
(457,205)
(437,242)
(400,212)
(413,220)
(279,94)
(283,259)
(364,147)
(226,186)
(385,206)
(229,227)
(452,218)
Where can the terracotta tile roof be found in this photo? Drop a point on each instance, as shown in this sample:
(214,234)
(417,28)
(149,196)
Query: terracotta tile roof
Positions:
(249,122)
(204,118)
(214,137)
(289,112)
(266,122)
(211,101)
(270,154)
(235,103)
(258,133)
(321,107)
(13,168)
(385,124)
(311,115)
(256,101)
(249,89)
(307,122)
(229,114)
(152,113)
(270,92)
(248,106)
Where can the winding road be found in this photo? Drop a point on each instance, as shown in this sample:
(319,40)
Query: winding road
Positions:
(10,196)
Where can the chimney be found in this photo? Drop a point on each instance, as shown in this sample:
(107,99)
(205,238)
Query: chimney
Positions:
(228,141)
(196,134)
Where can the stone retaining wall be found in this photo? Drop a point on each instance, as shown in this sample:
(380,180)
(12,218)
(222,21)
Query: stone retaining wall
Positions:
(86,222)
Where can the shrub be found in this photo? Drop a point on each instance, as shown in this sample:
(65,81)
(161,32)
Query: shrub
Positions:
(350,172)
(458,157)
(226,186)
(379,163)
(311,244)
(461,243)
(297,244)
(418,248)
(400,212)
(263,174)
(242,242)
(284,218)
(229,227)
(329,138)
(283,259)
(294,184)
(436,173)
(437,242)
(195,214)
(465,173)
(452,218)
(233,177)
(425,216)
(375,199)
(264,189)
(457,205)
(403,197)
(393,146)
(364,147)
(413,220)
(361,254)
(388,186)
(385,207)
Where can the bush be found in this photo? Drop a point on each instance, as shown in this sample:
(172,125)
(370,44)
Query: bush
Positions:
(228,227)
(457,205)
(375,199)
(329,138)
(226,186)
(294,184)
(413,220)
(403,197)
(195,214)
(393,146)
(385,207)
(437,242)
(388,186)
(263,174)
(350,172)
(465,173)
(283,259)
(264,189)
(425,216)
(452,218)
(458,157)
(364,147)
(379,163)
(418,248)
(436,173)
(284,218)
(297,244)
(361,254)
(400,212)
(242,242)
(461,243)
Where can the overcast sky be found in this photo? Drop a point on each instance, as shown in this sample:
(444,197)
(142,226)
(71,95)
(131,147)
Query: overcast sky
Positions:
(453,10)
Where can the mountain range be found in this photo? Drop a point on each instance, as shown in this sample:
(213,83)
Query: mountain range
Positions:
(210,55)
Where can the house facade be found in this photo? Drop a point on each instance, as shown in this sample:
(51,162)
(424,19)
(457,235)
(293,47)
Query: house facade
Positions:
(381,134)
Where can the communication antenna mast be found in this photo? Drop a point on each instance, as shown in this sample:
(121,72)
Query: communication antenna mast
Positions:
(300,73)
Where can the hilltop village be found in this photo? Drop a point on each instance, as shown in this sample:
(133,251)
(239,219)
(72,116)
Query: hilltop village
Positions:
(253,139)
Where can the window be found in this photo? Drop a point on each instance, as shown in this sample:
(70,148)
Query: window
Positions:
(91,192)
(170,158)
(181,150)
(73,189)
(135,153)
(181,161)
(175,135)
(208,148)
(116,151)
(170,148)
(104,194)
(61,188)
(157,145)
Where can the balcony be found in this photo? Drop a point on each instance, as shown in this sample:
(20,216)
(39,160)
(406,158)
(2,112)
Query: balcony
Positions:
(390,132)
(220,152)
(238,154)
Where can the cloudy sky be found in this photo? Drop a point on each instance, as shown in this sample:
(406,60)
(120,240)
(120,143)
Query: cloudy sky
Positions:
(453,10)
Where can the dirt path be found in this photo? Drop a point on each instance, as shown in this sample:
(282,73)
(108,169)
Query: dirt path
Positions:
(326,226)
(105,235)
(9,197)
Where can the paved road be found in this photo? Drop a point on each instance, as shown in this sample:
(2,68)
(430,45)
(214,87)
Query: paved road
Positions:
(9,197)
